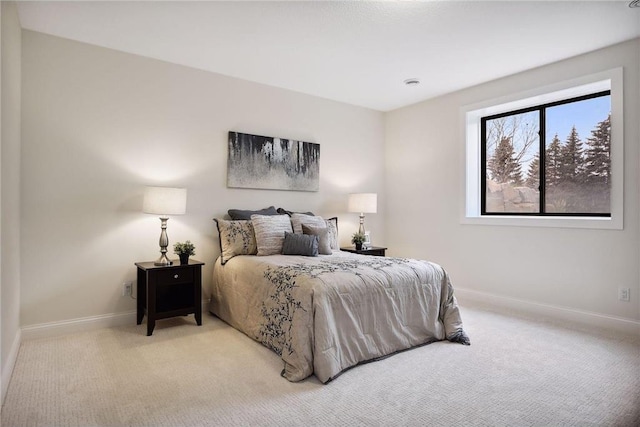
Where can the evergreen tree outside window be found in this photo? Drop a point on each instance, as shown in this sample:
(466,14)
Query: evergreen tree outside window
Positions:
(503,165)
(548,160)
(533,175)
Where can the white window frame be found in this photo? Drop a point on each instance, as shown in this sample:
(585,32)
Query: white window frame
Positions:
(470,119)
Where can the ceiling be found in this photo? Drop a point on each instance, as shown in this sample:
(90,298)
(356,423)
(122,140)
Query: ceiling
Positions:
(358,52)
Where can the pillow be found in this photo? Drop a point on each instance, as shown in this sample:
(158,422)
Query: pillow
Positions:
(300,244)
(282,211)
(332,226)
(236,238)
(237,214)
(324,247)
(269,230)
(298,219)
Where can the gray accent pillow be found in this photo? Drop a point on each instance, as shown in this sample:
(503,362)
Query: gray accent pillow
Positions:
(236,238)
(300,244)
(269,230)
(298,219)
(324,246)
(237,214)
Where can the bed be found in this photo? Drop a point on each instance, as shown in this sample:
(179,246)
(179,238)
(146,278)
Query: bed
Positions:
(327,313)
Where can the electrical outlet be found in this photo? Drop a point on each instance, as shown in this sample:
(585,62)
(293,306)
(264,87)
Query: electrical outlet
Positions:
(624,294)
(126,288)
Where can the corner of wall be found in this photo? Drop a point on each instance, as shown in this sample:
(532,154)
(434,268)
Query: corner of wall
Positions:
(10,147)
(7,368)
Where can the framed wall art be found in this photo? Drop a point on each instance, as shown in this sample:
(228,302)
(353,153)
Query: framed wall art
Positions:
(265,162)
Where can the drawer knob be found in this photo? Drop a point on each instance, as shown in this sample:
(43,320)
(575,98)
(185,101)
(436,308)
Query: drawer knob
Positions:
(175,276)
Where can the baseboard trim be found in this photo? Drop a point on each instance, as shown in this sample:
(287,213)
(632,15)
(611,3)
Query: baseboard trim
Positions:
(56,329)
(83,324)
(554,312)
(7,369)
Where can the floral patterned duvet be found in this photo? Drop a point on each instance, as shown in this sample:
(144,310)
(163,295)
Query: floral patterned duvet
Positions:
(325,314)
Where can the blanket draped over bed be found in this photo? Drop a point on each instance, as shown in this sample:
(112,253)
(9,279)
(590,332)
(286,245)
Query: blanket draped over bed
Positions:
(325,314)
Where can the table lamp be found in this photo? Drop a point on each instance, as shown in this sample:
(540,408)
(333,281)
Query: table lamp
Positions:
(363,203)
(164,201)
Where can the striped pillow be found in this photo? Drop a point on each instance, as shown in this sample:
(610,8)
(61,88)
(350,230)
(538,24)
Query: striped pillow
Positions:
(269,231)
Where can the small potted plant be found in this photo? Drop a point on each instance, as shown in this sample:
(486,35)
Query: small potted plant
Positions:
(184,251)
(358,239)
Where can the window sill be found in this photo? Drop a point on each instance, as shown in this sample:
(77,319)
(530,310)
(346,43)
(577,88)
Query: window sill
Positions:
(559,222)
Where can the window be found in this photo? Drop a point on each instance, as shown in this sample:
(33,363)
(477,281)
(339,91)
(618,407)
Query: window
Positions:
(526,143)
(550,159)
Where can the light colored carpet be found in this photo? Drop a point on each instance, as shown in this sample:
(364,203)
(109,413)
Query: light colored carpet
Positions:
(517,372)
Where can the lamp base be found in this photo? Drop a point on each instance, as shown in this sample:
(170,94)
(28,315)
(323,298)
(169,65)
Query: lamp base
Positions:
(361,228)
(163,260)
(164,242)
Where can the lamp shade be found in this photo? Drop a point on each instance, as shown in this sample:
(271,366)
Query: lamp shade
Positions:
(363,202)
(165,201)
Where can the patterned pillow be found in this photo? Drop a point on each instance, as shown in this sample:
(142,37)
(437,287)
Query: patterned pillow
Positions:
(332,225)
(298,219)
(269,230)
(236,238)
(300,244)
(324,247)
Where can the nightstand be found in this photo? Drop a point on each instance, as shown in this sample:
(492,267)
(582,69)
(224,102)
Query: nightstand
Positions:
(371,250)
(168,291)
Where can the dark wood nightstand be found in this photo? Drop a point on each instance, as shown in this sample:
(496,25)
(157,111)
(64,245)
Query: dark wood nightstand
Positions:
(168,291)
(371,250)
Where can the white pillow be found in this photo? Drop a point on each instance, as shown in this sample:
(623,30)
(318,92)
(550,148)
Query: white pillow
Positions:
(269,231)
(313,221)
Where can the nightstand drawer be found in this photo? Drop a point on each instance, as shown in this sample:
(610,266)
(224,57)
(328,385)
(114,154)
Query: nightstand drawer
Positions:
(175,275)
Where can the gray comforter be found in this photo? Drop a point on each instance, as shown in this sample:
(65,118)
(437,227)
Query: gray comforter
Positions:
(325,314)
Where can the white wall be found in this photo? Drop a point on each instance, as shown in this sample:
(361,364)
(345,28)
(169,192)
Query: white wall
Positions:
(10,191)
(99,125)
(575,268)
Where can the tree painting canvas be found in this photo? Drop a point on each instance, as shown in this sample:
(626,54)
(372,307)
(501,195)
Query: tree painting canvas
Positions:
(264,162)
